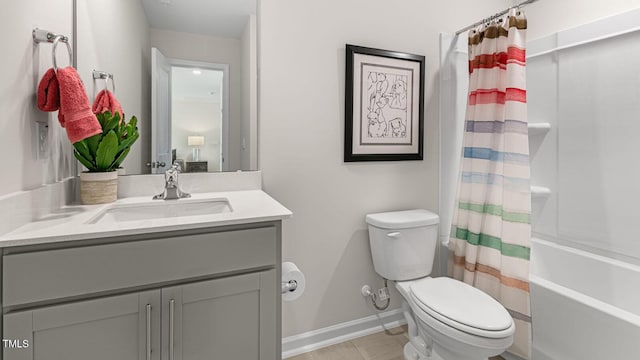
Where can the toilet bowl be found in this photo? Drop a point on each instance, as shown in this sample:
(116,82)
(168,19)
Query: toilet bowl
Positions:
(447,319)
(462,321)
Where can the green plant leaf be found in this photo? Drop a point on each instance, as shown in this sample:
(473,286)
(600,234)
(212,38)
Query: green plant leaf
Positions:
(134,122)
(92,143)
(128,141)
(103,117)
(111,123)
(107,150)
(120,158)
(83,161)
(120,129)
(86,161)
(82,149)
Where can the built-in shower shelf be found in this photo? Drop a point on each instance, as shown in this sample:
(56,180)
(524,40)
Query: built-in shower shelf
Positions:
(540,191)
(538,128)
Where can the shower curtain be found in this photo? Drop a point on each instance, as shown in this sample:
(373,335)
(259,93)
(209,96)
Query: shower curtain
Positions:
(490,237)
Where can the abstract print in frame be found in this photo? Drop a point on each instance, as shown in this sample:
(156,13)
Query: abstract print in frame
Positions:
(384,105)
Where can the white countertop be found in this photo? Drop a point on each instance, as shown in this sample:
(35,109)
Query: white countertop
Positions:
(71,223)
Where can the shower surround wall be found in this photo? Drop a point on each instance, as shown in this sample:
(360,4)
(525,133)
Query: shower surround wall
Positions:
(587,89)
(585,83)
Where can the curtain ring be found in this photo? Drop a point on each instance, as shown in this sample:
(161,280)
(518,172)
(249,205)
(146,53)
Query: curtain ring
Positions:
(53,51)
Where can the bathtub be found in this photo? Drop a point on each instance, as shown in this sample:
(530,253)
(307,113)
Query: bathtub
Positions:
(584,306)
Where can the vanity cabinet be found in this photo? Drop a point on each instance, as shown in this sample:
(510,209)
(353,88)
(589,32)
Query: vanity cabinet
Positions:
(228,318)
(208,294)
(103,329)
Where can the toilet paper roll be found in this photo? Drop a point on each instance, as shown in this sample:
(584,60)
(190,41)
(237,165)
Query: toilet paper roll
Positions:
(290,272)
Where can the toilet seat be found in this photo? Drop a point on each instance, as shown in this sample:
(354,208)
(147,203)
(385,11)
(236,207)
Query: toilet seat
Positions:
(462,307)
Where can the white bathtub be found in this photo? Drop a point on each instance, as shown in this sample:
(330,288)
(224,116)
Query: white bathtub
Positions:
(584,306)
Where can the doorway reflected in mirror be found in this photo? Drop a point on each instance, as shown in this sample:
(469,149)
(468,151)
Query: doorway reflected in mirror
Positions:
(197,129)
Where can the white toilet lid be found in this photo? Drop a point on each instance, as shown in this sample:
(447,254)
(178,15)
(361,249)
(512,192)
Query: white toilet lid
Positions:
(461,306)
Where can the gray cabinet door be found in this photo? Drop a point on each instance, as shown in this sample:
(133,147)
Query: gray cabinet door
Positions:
(120,327)
(223,319)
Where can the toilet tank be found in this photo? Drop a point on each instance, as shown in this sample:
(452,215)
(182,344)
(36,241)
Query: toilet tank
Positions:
(403,243)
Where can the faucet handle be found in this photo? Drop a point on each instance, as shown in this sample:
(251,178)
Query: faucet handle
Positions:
(176,166)
(171,175)
(171,189)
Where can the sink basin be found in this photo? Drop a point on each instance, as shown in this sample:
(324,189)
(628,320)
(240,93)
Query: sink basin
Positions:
(161,209)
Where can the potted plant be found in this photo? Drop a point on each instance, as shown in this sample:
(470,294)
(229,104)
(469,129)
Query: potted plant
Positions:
(102,154)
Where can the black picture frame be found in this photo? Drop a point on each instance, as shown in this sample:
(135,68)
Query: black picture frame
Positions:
(376,127)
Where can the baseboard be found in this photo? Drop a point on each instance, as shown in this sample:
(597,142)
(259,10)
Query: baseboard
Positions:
(331,335)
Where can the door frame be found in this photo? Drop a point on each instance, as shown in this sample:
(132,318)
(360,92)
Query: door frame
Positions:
(159,126)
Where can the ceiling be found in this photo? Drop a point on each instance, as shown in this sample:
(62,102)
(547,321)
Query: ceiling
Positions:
(204,87)
(225,18)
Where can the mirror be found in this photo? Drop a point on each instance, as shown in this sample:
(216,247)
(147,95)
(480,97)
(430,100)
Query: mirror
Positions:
(201,110)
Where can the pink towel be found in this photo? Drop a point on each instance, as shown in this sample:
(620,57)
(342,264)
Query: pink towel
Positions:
(106,101)
(75,112)
(48,92)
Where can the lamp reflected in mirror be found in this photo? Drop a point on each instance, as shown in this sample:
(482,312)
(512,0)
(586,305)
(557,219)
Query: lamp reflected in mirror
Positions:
(195,142)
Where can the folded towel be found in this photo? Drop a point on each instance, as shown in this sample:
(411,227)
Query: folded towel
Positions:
(48,92)
(106,101)
(75,112)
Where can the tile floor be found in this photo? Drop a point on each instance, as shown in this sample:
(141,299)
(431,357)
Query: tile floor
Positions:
(379,346)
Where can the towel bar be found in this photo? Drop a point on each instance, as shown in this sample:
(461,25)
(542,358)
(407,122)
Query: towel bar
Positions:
(40,35)
(97,74)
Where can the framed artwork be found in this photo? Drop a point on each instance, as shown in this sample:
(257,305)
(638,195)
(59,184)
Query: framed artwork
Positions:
(384,105)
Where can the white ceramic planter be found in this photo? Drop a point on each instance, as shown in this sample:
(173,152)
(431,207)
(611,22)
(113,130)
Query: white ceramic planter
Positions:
(98,187)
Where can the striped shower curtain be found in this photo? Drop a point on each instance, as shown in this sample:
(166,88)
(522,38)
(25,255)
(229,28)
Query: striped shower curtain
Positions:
(490,238)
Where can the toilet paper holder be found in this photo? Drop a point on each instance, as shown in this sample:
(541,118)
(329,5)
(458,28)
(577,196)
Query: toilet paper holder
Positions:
(292,281)
(289,286)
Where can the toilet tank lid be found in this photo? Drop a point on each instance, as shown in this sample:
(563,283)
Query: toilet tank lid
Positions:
(403,219)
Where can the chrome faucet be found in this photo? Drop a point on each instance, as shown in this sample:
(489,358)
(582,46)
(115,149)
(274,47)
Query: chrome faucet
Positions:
(171,189)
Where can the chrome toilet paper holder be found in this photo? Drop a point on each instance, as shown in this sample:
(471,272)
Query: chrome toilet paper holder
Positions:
(289,286)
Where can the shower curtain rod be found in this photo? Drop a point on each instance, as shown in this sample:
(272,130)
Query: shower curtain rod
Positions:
(494,16)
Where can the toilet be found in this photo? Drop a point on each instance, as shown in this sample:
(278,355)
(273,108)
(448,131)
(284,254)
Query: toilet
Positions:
(447,319)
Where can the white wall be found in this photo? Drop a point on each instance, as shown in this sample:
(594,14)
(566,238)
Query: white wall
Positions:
(301,114)
(123,50)
(196,117)
(23,65)
(211,49)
